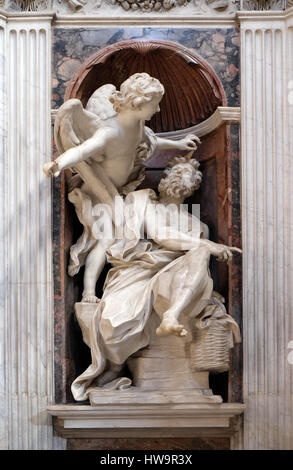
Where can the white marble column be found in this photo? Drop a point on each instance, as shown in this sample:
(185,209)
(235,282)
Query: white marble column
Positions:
(3,411)
(26,368)
(267,218)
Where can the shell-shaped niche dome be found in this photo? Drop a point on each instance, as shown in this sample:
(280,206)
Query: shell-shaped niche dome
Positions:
(192,89)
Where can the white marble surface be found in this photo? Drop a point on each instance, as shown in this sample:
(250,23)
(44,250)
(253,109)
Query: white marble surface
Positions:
(267,221)
(222,115)
(26,376)
(3,283)
(267,210)
(152,418)
(151,285)
(107,9)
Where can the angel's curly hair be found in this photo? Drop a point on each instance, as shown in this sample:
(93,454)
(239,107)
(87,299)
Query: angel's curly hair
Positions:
(138,89)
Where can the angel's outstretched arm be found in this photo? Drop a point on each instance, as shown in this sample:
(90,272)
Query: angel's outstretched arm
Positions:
(152,142)
(94,146)
(91,147)
(190,142)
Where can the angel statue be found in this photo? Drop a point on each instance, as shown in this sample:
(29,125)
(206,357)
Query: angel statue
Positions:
(104,145)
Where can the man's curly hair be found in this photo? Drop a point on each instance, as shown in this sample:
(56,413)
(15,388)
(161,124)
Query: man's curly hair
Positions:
(171,183)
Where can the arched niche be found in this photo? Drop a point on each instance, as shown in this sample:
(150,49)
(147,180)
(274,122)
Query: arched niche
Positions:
(193,93)
(179,69)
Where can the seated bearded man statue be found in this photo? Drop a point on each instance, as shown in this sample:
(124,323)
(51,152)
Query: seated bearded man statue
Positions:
(158,272)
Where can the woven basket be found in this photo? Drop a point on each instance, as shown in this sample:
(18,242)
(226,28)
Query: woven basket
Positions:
(211,347)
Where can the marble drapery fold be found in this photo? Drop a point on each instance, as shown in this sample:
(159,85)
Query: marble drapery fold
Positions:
(125,318)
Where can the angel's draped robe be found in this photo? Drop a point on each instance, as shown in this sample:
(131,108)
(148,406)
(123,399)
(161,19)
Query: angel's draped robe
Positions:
(125,319)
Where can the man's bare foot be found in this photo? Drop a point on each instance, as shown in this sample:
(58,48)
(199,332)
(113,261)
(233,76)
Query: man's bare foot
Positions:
(91,299)
(170,326)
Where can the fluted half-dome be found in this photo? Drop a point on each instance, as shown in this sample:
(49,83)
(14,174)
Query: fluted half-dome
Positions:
(192,89)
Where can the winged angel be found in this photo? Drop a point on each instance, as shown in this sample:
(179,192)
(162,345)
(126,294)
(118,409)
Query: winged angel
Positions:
(105,145)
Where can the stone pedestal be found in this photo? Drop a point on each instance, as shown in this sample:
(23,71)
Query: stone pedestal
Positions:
(165,366)
(152,418)
(167,400)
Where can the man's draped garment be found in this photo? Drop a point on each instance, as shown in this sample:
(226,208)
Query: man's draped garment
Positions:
(125,319)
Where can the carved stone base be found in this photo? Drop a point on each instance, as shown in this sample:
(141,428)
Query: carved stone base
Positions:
(135,395)
(162,369)
(146,419)
(165,366)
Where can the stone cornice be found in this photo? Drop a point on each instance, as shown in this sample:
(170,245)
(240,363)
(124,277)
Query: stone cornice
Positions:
(267,15)
(267,19)
(146,419)
(3,16)
(223,114)
(29,16)
(176,21)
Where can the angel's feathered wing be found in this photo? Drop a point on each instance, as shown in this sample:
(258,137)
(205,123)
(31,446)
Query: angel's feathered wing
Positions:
(74,124)
(100,104)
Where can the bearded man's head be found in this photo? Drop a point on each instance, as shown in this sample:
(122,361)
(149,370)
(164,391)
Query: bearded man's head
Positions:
(181,178)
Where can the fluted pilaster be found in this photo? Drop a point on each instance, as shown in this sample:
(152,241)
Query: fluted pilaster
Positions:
(267,221)
(27,295)
(3,411)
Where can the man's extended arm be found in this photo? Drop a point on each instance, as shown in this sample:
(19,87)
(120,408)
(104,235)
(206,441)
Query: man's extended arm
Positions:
(172,239)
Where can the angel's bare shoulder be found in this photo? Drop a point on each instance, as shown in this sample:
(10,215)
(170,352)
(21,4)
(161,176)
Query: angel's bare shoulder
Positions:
(107,129)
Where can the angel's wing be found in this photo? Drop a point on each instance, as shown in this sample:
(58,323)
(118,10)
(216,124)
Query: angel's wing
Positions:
(74,124)
(100,104)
